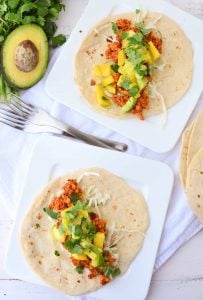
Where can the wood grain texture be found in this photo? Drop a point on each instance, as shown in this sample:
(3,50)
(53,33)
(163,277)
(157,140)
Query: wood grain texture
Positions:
(180,278)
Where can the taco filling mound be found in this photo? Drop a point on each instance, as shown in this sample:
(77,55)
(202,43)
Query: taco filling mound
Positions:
(83,230)
(134,64)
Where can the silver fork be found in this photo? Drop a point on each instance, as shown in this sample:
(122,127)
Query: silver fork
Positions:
(27,117)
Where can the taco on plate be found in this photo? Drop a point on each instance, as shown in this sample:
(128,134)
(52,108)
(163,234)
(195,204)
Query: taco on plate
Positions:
(134,64)
(83,230)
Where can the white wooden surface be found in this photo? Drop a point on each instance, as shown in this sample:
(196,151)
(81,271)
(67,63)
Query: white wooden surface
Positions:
(180,278)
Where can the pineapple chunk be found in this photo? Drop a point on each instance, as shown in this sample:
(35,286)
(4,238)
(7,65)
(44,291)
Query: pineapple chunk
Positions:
(99,240)
(97,71)
(110,89)
(154,51)
(105,70)
(79,256)
(102,99)
(121,58)
(148,58)
(108,80)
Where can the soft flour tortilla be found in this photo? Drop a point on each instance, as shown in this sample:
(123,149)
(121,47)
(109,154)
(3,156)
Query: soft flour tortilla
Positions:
(194,185)
(173,81)
(126,209)
(196,139)
(184,155)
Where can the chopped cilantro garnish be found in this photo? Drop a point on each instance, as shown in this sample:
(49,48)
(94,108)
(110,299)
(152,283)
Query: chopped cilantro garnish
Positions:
(134,90)
(143,30)
(37,225)
(115,28)
(79,269)
(116,272)
(73,247)
(137,38)
(74,197)
(57,253)
(126,83)
(115,68)
(141,69)
(137,11)
(107,270)
(124,35)
(52,214)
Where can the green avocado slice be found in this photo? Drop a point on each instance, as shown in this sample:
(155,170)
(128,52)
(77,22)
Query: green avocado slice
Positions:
(129,104)
(25,56)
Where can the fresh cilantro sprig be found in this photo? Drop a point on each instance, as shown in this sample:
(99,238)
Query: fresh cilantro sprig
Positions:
(52,214)
(42,12)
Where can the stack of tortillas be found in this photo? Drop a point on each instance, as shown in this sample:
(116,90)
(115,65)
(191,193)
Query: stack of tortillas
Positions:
(191,165)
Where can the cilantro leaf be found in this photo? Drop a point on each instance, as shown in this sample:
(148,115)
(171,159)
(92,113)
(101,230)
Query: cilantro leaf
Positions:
(114,28)
(52,214)
(74,197)
(116,272)
(12,4)
(137,11)
(58,40)
(73,247)
(115,68)
(124,35)
(56,253)
(79,269)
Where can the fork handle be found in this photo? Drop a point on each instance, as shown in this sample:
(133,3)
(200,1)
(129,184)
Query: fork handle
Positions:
(92,140)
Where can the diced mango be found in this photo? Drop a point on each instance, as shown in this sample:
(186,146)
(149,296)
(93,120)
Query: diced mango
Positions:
(97,71)
(154,51)
(105,70)
(57,235)
(79,256)
(121,58)
(102,99)
(99,240)
(148,58)
(102,70)
(108,80)
(111,89)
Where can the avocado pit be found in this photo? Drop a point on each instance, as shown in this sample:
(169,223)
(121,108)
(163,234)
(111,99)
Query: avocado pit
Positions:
(26,56)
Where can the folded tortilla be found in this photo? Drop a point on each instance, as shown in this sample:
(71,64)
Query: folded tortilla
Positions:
(125,210)
(184,155)
(194,185)
(172,83)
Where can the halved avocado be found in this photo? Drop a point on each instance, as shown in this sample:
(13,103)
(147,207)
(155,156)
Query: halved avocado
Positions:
(25,55)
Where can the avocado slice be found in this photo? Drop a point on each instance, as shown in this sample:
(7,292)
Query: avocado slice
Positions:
(129,104)
(25,55)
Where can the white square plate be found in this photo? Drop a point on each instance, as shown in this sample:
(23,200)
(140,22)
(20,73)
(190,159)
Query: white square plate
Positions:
(54,156)
(61,86)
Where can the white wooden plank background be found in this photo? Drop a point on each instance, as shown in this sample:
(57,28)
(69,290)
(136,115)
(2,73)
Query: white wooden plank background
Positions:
(180,278)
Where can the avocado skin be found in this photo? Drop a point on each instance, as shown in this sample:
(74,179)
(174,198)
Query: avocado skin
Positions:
(7,62)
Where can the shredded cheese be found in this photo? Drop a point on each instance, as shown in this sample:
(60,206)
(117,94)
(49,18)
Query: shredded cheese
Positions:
(152,25)
(140,16)
(155,94)
(87,174)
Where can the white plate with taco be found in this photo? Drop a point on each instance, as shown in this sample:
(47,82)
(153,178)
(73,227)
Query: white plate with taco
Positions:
(89,223)
(134,68)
